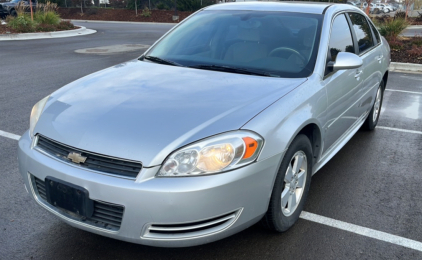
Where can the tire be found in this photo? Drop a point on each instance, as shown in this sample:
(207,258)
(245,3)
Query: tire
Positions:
(280,217)
(13,13)
(373,116)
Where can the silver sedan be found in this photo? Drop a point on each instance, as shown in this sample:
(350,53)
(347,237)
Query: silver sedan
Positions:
(219,125)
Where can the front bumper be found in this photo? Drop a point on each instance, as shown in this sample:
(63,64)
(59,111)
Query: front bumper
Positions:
(241,196)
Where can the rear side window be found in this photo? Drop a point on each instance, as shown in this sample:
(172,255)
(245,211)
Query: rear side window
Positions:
(362,31)
(341,38)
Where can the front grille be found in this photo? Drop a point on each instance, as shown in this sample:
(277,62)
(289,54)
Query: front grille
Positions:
(93,161)
(106,215)
(192,229)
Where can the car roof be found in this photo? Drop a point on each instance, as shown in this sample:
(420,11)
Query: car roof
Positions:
(297,7)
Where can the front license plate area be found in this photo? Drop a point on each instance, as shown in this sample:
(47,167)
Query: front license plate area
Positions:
(68,196)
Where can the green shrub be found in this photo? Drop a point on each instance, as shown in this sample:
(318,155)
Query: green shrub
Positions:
(395,44)
(419,17)
(49,17)
(45,28)
(162,6)
(415,51)
(65,25)
(117,3)
(131,4)
(91,11)
(146,12)
(417,40)
(21,23)
(400,15)
(392,28)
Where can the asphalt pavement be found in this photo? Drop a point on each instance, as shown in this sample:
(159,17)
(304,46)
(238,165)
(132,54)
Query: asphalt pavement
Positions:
(373,182)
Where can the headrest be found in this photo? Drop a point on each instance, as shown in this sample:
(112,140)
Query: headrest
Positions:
(308,35)
(248,34)
(249,30)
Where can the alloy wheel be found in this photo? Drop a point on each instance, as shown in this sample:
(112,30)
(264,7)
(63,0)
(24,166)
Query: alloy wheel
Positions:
(377,105)
(294,183)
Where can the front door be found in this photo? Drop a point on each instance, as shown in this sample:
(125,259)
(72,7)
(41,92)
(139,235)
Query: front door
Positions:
(342,86)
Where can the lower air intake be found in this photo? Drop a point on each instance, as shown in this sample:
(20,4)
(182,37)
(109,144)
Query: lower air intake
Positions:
(106,215)
(192,229)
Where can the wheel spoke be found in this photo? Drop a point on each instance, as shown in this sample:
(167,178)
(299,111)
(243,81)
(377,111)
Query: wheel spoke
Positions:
(285,195)
(292,202)
(301,179)
(289,174)
(298,163)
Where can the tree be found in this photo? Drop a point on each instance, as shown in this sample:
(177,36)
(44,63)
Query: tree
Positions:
(367,8)
(408,4)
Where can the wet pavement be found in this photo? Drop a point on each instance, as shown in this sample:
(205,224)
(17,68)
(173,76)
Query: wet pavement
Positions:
(374,181)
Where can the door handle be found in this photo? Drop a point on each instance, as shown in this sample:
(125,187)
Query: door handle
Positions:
(379,58)
(358,73)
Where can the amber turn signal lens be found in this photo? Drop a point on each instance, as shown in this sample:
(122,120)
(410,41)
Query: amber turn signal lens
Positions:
(250,147)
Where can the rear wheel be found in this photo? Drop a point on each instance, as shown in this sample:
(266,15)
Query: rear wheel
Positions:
(291,186)
(373,116)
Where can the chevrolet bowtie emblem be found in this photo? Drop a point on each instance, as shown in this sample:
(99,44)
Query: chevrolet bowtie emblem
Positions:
(76,157)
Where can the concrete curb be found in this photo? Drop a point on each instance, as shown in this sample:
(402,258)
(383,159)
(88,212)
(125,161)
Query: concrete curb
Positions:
(46,35)
(405,67)
(121,22)
(414,27)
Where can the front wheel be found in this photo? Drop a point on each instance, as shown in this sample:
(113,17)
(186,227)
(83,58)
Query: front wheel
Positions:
(13,13)
(291,186)
(373,116)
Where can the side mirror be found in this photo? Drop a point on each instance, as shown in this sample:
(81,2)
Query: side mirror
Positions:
(345,61)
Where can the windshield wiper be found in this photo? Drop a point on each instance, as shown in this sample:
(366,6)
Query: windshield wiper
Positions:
(162,61)
(234,70)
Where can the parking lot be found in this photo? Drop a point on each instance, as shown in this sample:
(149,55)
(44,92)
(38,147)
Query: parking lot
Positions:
(365,203)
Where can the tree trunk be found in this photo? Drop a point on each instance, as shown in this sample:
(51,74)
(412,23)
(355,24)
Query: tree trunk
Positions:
(136,8)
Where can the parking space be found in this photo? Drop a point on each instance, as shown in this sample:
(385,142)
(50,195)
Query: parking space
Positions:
(372,185)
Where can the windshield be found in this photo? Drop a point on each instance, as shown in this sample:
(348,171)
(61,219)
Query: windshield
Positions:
(277,43)
(15,1)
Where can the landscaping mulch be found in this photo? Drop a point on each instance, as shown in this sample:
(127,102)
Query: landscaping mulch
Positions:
(7,30)
(4,29)
(407,50)
(160,16)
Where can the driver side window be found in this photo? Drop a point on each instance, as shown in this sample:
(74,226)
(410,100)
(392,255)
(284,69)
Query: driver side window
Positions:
(340,40)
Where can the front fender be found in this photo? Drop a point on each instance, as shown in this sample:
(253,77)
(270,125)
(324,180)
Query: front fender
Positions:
(280,123)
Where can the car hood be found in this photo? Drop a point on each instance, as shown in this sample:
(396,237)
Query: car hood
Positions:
(143,111)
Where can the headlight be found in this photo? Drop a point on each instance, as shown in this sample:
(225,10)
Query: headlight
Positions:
(35,114)
(213,155)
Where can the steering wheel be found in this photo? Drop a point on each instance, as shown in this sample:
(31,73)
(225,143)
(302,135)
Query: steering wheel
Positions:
(285,49)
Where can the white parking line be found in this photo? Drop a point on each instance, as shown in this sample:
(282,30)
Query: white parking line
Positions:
(404,91)
(399,130)
(367,232)
(9,135)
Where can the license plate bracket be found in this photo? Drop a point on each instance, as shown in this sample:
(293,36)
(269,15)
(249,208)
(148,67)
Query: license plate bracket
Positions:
(68,196)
